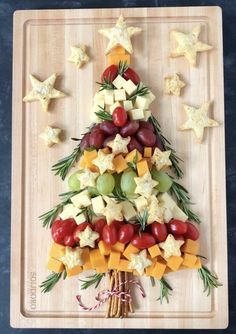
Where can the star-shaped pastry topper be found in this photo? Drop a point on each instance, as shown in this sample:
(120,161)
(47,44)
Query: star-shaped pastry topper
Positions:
(87,237)
(189,45)
(155,211)
(173,84)
(145,184)
(119,144)
(104,161)
(171,246)
(198,120)
(139,262)
(78,56)
(161,159)
(72,257)
(87,178)
(50,135)
(43,91)
(120,35)
(112,211)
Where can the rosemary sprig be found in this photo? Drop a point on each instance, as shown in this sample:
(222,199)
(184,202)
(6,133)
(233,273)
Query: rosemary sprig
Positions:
(183,200)
(119,195)
(210,280)
(103,114)
(174,158)
(88,212)
(165,290)
(141,90)
(93,279)
(105,85)
(142,220)
(51,281)
(122,67)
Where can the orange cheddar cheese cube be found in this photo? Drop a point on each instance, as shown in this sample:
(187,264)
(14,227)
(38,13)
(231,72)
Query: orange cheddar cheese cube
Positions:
(131,156)
(119,163)
(130,249)
(190,246)
(114,260)
(103,268)
(117,58)
(104,248)
(89,156)
(154,251)
(86,258)
(96,258)
(55,266)
(118,247)
(147,152)
(174,262)
(197,264)
(124,266)
(149,269)
(189,260)
(74,271)
(158,270)
(57,251)
(118,49)
(142,167)
(82,163)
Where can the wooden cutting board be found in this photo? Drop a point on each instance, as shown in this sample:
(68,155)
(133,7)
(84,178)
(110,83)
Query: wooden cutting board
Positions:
(42,40)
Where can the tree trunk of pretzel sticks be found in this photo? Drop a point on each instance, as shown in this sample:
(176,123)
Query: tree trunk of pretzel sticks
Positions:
(116,307)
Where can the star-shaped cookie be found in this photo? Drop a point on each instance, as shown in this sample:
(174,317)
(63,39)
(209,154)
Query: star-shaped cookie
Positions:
(112,211)
(78,56)
(50,135)
(145,184)
(161,159)
(72,257)
(198,120)
(87,237)
(189,45)
(119,144)
(104,161)
(139,262)
(43,91)
(173,84)
(171,246)
(120,35)
(87,178)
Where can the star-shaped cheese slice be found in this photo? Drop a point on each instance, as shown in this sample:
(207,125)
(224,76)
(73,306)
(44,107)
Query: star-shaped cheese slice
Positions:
(145,184)
(161,159)
(78,56)
(72,257)
(155,211)
(87,237)
(112,211)
(43,91)
(189,45)
(171,246)
(120,35)
(104,161)
(119,144)
(173,85)
(50,135)
(139,262)
(87,178)
(198,120)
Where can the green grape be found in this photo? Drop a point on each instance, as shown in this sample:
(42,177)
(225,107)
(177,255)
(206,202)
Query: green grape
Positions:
(74,182)
(117,178)
(105,184)
(127,183)
(165,182)
(93,191)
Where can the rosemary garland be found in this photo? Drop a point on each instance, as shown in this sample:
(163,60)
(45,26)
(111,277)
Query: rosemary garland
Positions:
(165,290)
(91,280)
(210,280)
(141,90)
(51,281)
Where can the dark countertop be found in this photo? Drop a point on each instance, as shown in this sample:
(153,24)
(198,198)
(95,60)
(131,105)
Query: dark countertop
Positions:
(6,11)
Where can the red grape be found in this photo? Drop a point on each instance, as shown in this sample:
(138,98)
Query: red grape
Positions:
(109,128)
(135,144)
(146,125)
(146,137)
(129,129)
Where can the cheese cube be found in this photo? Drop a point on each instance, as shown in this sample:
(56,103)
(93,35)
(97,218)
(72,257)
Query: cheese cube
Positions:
(119,163)
(109,97)
(124,266)
(119,82)
(167,201)
(142,167)
(94,118)
(104,248)
(148,270)
(70,211)
(179,214)
(141,203)
(114,260)
(131,155)
(147,152)
(128,210)
(190,246)
(98,204)
(55,265)
(74,271)
(136,114)
(167,215)
(118,50)
(119,95)
(118,247)
(87,265)
(130,249)
(142,102)
(81,218)
(147,114)
(115,59)
(197,264)
(174,262)
(128,105)
(57,251)
(114,106)
(189,260)
(96,258)
(158,270)
(102,269)
(81,200)
(151,97)
(129,87)
(154,251)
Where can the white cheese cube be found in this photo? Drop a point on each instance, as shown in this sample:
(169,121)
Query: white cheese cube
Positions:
(166,201)
(98,96)
(128,210)
(141,203)
(142,102)
(136,114)
(119,95)
(109,98)
(167,215)
(81,218)
(129,87)
(151,97)
(98,204)
(69,211)
(81,200)
(94,118)
(147,114)
(128,105)
(119,82)
(114,106)
(179,214)
(107,108)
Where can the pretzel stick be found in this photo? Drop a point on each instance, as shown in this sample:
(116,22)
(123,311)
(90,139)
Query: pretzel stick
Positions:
(110,288)
(119,299)
(115,297)
(126,290)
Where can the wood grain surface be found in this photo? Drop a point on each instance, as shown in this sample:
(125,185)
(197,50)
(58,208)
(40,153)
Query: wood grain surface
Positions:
(42,40)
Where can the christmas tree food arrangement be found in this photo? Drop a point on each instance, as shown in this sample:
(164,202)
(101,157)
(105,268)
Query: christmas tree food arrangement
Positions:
(124,215)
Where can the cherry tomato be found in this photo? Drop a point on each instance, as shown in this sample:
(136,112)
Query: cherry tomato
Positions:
(62,231)
(110,73)
(176,226)
(130,74)
(144,240)
(159,231)
(98,227)
(118,224)
(119,116)
(178,236)
(126,233)
(110,234)
(80,228)
(192,232)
